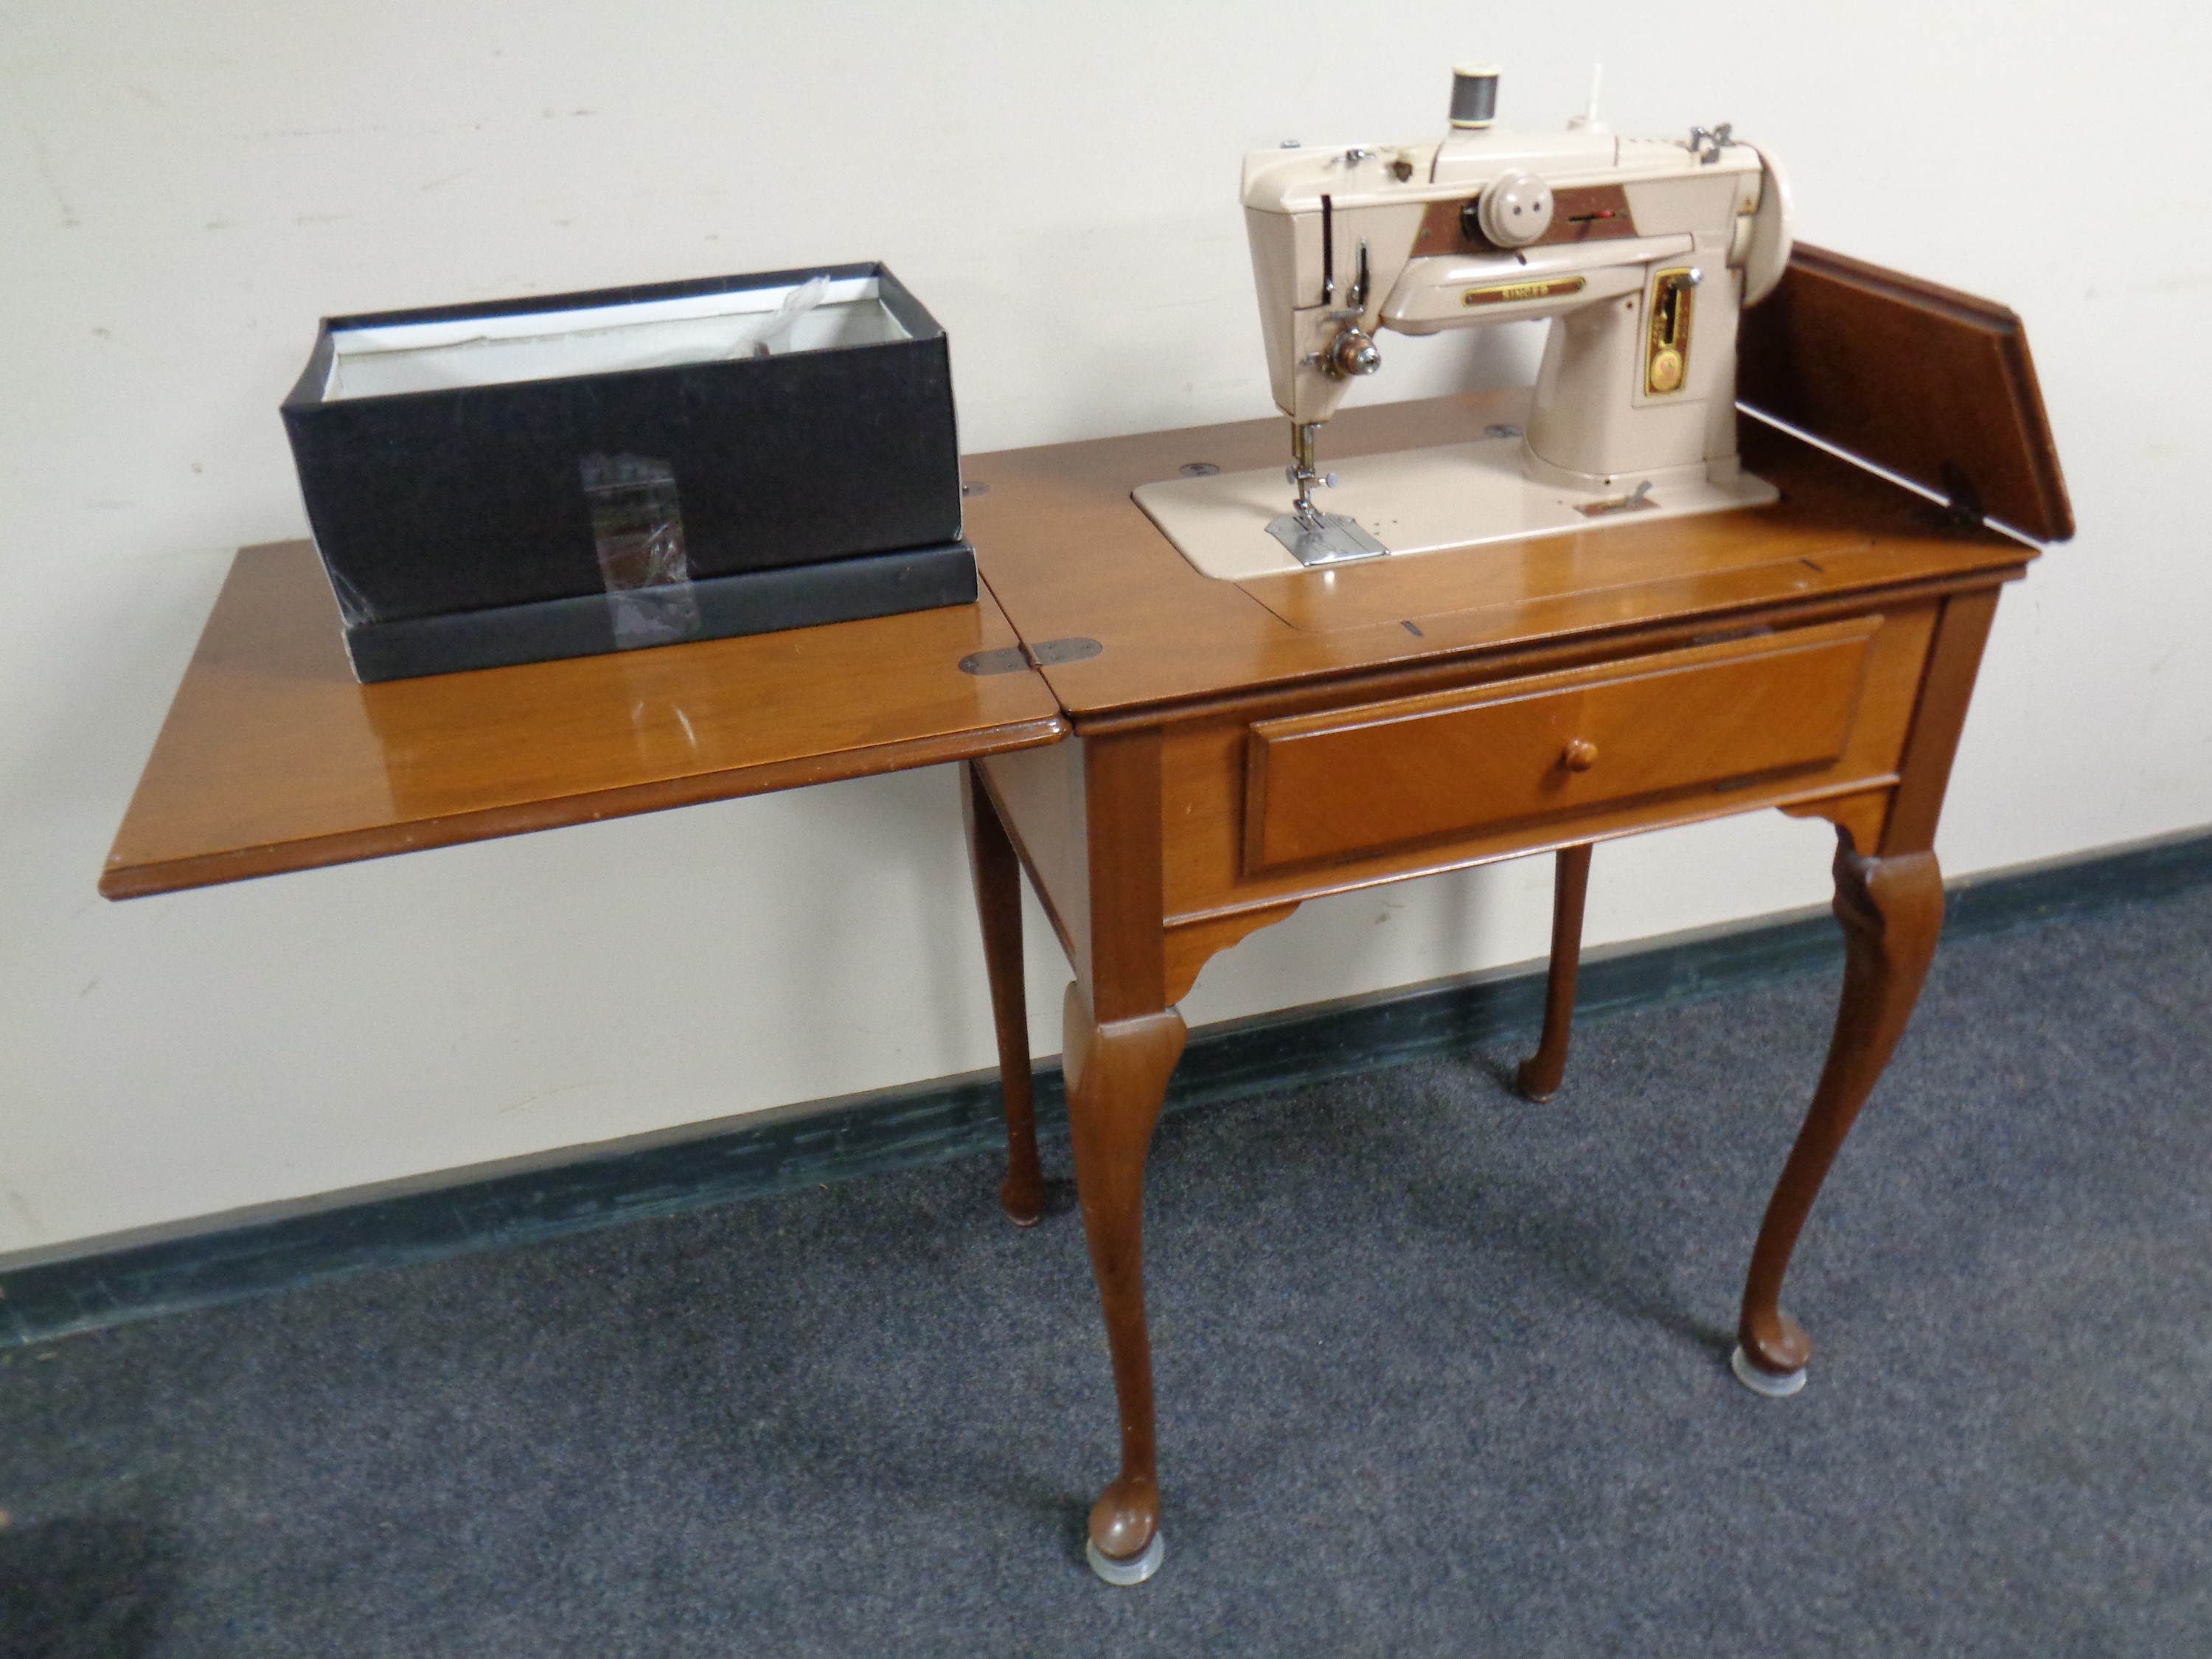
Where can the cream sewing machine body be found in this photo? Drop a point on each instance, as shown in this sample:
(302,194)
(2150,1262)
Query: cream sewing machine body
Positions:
(1640,251)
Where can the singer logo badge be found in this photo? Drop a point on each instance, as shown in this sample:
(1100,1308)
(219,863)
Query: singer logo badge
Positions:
(1501,294)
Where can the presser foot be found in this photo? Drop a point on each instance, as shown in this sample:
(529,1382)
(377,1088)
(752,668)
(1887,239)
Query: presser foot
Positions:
(1135,1571)
(1317,538)
(1765,1382)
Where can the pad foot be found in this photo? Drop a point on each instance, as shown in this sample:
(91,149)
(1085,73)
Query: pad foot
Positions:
(1531,1084)
(1022,1196)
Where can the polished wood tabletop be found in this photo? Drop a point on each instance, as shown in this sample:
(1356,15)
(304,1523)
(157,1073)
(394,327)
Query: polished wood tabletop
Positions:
(1069,554)
(273,758)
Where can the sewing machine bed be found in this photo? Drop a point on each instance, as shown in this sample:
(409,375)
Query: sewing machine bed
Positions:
(1413,502)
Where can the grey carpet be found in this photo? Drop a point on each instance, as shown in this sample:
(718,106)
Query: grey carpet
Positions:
(1441,1372)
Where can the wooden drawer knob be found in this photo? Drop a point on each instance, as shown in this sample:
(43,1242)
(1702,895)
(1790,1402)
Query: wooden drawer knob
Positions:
(1581,755)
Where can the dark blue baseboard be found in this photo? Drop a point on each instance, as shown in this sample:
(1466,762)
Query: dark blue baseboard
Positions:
(527,1200)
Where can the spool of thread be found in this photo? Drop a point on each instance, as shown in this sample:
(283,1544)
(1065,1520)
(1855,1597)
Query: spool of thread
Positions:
(1474,96)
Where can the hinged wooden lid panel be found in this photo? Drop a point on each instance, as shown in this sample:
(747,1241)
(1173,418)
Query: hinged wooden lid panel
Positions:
(1935,384)
(1352,780)
(273,758)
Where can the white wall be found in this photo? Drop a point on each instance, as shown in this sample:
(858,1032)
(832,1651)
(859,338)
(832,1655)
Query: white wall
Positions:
(185,189)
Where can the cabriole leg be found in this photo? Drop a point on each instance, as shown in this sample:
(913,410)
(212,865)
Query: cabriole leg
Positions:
(1540,1072)
(1117,1077)
(999,903)
(1892,909)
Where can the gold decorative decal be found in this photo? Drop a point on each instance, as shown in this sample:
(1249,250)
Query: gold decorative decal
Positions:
(1504,294)
(1666,352)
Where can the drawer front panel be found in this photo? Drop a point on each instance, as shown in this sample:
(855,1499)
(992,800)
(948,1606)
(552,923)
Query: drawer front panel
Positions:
(1348,782)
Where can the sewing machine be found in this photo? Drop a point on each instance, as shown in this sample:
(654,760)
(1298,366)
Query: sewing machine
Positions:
(1639,250)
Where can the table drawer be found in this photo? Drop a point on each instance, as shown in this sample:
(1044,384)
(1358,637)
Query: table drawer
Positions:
(1347,781)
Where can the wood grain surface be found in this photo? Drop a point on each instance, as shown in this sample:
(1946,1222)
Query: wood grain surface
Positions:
(1204,787)
(273,758)
(1068,553)
(1352,780)
(1935,385)
(1891,911)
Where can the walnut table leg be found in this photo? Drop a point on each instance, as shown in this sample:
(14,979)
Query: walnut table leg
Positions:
(1540,1072)
(1892,909)
(999,903)
(1117,1077)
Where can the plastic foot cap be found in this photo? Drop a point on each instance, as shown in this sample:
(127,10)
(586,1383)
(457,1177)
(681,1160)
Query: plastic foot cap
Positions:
(1525,1084)
(1765,1382)
(1136,1569)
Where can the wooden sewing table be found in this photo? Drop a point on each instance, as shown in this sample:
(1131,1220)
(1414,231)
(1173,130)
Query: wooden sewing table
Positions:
(1239,748)
(1177,760)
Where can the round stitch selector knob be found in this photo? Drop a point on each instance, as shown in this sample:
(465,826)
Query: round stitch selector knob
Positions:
(1514,208)
(1580,756)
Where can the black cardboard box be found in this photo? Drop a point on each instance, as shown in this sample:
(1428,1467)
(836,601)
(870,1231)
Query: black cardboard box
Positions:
(521,480)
